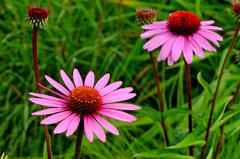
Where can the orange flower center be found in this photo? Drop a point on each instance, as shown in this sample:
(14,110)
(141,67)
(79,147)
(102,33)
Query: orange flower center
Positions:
(85,100)
(183,23)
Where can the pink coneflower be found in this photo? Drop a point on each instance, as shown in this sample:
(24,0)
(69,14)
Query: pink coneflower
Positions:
(87,100)
(183,32)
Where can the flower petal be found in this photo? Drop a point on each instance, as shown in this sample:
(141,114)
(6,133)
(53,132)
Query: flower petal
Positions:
(196,48)
(73,125)
(170,60)
(63,125)
(214,28)
(67,80)
(208,22)
(102,82)
(150,33)
(88,128)
(89,80)
(43,96)
(166,49)
(111,87)
(210,38)
(118,115)
(48,103)
(49,111)
(188,52)
(56,118)
(107,125)
(177,48)
(121,106)
(202,42)
(155,25)
(56,85)
(97,129)
(77,78)
(120,91)
(118,98)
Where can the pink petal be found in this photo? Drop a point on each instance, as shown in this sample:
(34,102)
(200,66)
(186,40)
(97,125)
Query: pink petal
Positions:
(214,28)
(43,96)
(88,128)
(197,49)
(166,49)
(56,85)
(151,33)
(73,126)
(63,125)
(202,42)
(102,82)
(208,22)
(67,80)
(157,41)
(77,78)
(121,106)
(89,81)
(97,129)
(177,48)
(210,38)
(119,91)
(156,25)
(111,87)
(118,98)
(49,111)
(118,115)
(188,52)
(56,117)
(48,103)
(212,34)
(107,125)
(170,60)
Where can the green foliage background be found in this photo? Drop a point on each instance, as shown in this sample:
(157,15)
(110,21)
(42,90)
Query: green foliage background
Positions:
(102,36)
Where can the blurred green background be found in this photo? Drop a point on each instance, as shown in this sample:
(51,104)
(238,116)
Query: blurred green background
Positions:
(101,35)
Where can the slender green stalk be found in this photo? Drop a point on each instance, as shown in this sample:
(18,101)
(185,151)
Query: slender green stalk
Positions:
(189,95)
(161,106)
(218,87)
(79,139)
(232,101)
(38,80)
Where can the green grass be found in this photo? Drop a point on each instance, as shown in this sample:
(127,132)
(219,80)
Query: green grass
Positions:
(101,36)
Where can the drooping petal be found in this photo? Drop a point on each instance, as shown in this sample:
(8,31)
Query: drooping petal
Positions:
(118,98)
(67,80)
(111,87)
(89,81)
(56,117)
(188,52)
(97,129)
(43,96)
(63,125)
(121,106)
(214,28)
(157,41)
(102,82)
(196,48)
(166,49)
(118,115)
(150,33)
(107,125)
(88,128)
(210,38)
(119,91)
(49,111)
(77,78)
(56,85)
(202,42)
(156,25)
(170,60)
(48,103)
(208,22)
(212,34)
(177,48)
(73,125)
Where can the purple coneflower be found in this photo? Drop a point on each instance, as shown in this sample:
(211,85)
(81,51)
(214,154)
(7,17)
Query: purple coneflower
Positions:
(87,101)
(183,32)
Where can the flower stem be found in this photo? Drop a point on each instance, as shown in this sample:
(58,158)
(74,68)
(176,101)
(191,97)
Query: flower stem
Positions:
(218,87)
(38,80)
(79,138)
(232,101)
(189,94)
(161,106)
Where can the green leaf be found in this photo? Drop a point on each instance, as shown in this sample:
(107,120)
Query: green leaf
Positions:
(152,113)
(204,84)
(162,154)
(176,111)
(232,128)
(189,140)
(45,153)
